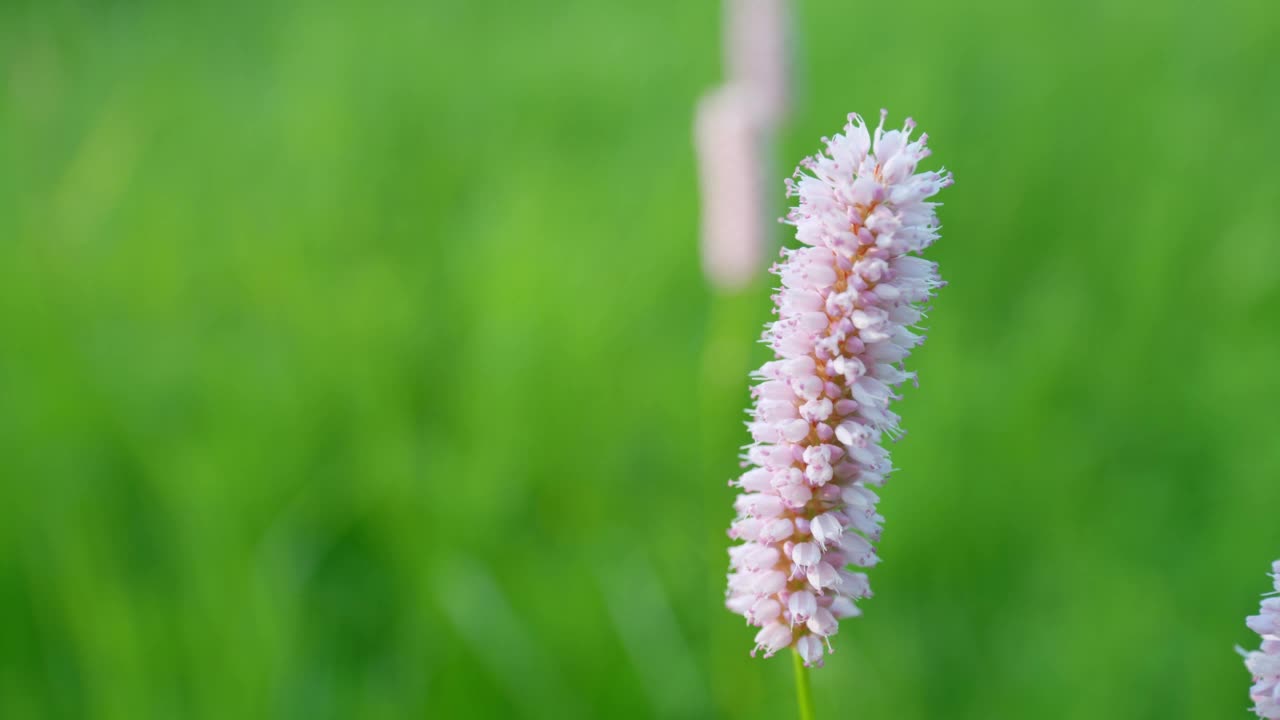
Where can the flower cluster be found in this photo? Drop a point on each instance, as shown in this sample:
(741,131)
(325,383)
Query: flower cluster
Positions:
(807,516)
(1265,662)
(734,127)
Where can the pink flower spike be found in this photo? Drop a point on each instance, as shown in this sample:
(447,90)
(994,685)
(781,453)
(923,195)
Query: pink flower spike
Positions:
(821,411)
(733,133)
(1264,663)
(757,56)
(729,143)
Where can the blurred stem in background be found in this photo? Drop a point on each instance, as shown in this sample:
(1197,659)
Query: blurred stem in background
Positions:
(803,698)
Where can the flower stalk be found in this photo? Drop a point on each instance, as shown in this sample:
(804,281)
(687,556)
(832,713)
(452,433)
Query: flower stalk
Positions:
(804,698)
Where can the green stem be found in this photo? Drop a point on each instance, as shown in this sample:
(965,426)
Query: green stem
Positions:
(803,697)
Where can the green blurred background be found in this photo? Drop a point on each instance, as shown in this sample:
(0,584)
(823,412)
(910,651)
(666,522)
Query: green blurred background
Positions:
(355,361)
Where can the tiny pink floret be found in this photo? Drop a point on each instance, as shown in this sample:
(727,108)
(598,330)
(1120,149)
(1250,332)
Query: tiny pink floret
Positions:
(1264,663)
(849,299)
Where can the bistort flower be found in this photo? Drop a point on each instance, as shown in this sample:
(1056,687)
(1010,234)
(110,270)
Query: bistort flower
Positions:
(734,127)
(807,516)
(731,145)
(1264,663)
